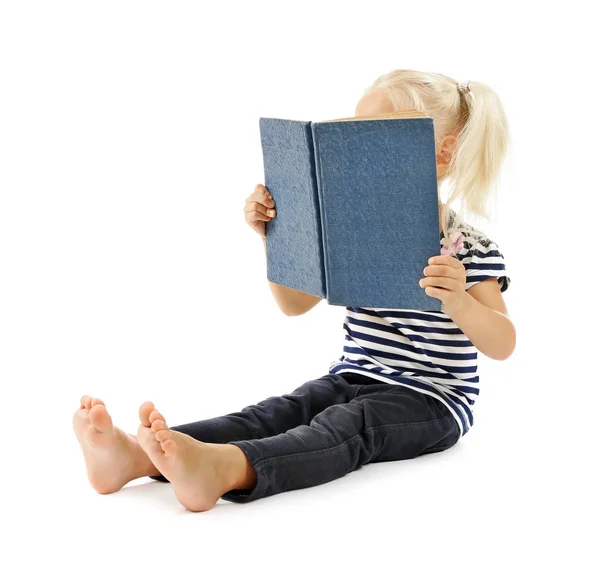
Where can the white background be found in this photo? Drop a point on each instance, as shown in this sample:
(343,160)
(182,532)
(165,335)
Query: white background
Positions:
(129,142)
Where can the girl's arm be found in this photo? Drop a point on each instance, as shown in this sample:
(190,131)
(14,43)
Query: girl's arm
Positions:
(482,315)
(291,301)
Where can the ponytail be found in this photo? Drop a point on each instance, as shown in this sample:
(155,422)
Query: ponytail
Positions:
(482,145)
(475,117)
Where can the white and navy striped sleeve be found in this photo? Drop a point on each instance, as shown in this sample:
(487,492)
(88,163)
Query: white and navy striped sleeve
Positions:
(483,261)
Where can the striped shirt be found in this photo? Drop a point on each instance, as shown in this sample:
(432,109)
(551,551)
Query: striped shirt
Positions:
(423,350)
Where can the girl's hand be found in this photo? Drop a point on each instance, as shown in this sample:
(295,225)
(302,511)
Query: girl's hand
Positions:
(447,273)
(259,208)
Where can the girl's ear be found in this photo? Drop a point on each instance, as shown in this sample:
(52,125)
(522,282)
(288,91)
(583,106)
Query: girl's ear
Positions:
(445,151)
(447,146)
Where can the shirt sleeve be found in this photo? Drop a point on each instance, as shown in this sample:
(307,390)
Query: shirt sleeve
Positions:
(483,261)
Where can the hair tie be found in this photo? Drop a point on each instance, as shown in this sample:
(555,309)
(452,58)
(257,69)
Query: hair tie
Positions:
(463,87)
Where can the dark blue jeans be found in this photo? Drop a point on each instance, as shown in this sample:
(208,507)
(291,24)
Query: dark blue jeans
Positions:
(327,428)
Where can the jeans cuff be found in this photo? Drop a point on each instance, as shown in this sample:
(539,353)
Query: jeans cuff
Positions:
(262,480)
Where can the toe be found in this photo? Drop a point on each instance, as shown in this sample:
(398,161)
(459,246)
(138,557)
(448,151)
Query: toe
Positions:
(145,411)
(97,402)
(159,424)
(86,402)
(100,418)
(163,435)
(155,415)
(169,446)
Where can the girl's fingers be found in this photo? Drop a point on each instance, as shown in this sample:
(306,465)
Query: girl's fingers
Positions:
(445,259)
(431,281)
(256,216)
(265,199)
(263,195)
(263,190)
(256,207)
(259,209)
(442,270)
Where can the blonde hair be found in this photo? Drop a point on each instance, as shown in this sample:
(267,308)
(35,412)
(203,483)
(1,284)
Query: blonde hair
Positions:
(478,121)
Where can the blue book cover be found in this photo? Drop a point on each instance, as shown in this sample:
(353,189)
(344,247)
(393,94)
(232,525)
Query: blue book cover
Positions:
(357,208)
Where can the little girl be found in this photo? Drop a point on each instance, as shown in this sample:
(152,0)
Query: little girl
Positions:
(407,380)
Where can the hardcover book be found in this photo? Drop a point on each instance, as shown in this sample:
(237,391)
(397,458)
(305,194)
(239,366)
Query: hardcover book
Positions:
(357,208)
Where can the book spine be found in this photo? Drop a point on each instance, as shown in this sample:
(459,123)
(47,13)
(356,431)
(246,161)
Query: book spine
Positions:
(316,167)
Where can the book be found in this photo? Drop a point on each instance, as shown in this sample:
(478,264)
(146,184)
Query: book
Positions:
(357,208)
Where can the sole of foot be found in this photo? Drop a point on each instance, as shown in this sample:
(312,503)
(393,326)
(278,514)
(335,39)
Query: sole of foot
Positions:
(109,453)
(197,470)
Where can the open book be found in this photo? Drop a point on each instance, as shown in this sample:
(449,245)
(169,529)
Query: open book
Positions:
(357,208)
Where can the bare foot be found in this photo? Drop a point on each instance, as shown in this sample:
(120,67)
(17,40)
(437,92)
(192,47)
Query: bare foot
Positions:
(200,472)
(112,457)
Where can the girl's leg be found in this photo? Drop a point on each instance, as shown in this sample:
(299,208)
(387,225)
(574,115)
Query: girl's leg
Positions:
(384,422)
(275,414)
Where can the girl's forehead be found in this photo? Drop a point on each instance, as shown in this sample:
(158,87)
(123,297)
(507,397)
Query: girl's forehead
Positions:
(373,103)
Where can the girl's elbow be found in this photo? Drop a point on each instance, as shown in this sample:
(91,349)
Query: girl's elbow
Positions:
(511,343)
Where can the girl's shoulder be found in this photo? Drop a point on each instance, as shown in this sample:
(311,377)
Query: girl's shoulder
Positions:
(482,258)
(478,253)
(474,240)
